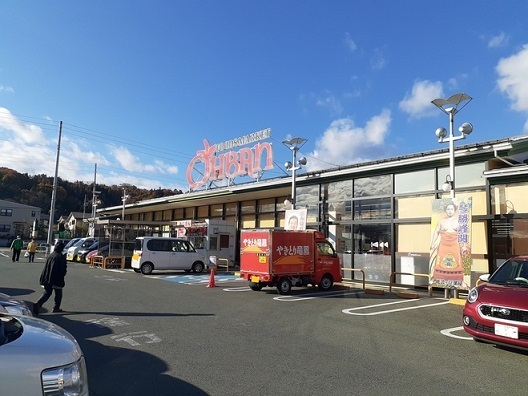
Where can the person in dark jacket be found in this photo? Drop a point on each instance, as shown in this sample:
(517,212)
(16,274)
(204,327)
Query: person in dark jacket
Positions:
(52,278)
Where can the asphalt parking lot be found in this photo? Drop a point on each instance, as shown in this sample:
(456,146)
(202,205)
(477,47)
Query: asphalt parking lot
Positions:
(169,334)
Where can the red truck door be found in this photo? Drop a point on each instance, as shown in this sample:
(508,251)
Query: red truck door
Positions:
(326,263)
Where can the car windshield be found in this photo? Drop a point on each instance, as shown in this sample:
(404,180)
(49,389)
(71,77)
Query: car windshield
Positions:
(512,272)
(70,243)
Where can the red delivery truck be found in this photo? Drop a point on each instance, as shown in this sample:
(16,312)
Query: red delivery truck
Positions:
(283,259)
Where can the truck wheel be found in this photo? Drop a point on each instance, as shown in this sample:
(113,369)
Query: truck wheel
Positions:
(146,268)
(255,286)
(326,282)
(284,286)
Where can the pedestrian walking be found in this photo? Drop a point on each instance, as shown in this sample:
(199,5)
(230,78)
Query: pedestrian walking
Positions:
(52,279)
(16,246)
(31,249)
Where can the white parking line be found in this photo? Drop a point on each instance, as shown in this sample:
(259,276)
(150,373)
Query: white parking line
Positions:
(319,294)
(350,310)
(448,332)
(237,289)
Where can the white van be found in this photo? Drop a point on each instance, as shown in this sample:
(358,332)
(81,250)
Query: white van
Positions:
(158,253)
(71,254)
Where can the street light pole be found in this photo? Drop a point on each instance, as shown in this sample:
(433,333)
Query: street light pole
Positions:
(124,199)
(450,107)
(123,239)
(294,145)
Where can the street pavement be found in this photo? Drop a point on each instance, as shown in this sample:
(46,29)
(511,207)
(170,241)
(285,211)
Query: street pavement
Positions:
(168,334)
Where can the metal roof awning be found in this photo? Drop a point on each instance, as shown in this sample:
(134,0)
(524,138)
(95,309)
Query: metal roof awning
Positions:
(506,172)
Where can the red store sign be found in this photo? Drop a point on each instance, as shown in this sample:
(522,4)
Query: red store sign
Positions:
(247,161)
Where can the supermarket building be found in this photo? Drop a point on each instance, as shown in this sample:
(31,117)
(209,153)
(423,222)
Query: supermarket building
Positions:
(377,214)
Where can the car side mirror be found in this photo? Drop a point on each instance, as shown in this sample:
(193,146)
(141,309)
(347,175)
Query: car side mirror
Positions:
(484,278)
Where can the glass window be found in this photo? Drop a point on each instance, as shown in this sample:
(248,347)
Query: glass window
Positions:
(159,245)
(414,207)
(266,205)
(479,201)
(375,208)
(338,196)
(248,221)
(266,220)
(231,209)
(414,181)
(372,251)
(203,212)
(158,215)
(373,186)
(247,207)
(325,249)
(307,196)
(167,215)
(280,203)
(469,175)
(178,214)
(509,198)
(216,210)
(189,213)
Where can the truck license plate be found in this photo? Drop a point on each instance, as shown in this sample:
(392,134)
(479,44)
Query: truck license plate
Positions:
(506,331)
(254,279)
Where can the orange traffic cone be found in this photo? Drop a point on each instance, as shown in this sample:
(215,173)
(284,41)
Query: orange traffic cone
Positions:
(212,279)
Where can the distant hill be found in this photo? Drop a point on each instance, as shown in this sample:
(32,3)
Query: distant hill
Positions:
(71,197)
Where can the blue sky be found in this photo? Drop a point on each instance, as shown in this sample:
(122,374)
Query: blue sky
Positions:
(140,84)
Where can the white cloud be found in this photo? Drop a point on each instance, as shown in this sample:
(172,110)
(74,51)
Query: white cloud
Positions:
(498,41)
(350,43)
(3,88)
(330,102)
(21,132)
(513,79)
(132,163)
(418,103)
(378,61)
(344,143)
(27,149)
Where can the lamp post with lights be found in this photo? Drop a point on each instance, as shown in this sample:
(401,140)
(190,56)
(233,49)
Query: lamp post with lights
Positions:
(294,145)
(123,239)
(450,106)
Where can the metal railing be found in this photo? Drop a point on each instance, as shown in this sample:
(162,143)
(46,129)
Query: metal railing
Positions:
(356,270)
(108,261)
(219,260)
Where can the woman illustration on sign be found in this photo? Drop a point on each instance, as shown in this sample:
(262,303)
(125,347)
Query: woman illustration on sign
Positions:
(446,258)
(293,222)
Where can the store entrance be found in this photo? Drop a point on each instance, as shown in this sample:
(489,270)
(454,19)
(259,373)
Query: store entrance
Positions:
(509,238)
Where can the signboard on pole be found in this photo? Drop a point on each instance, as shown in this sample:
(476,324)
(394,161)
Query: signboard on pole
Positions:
(450,252)
(295,219)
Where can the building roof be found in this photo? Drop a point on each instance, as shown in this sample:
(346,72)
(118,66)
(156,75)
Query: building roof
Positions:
(10,204)
(513,151)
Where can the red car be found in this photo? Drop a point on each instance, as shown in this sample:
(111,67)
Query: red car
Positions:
(496,310)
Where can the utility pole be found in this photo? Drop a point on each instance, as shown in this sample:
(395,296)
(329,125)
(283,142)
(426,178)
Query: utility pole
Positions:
(94,203)
(54,194)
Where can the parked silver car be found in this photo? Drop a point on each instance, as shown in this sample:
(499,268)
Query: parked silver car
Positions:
(38,357)
(14,306)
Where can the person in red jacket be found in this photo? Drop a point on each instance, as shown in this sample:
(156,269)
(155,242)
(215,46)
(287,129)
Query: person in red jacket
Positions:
(52,279)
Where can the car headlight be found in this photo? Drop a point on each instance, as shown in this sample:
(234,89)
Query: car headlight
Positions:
(70,380)
(17,310)
(472,295)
